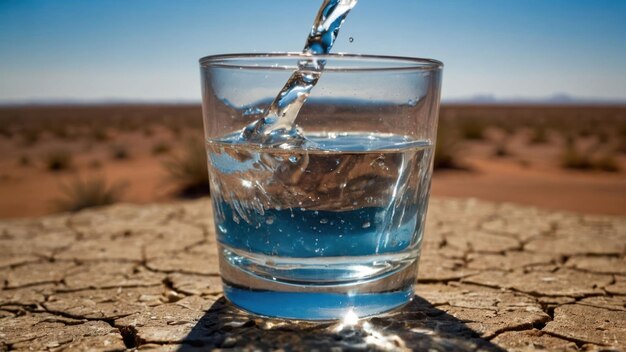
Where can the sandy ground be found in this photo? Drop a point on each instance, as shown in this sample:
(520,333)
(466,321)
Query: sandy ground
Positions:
(529,175)
(573,191)
(30,191)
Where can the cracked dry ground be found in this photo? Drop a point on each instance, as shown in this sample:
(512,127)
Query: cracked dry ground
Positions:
(492,277)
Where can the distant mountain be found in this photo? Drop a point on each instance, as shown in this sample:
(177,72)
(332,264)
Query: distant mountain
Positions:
(556,99)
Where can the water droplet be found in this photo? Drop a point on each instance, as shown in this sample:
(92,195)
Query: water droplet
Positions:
(316,212)
(366,224)
(323,221)
(351,39)
(293,159)
(269,220)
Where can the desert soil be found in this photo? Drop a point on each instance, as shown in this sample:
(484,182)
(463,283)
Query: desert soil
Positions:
(528,174)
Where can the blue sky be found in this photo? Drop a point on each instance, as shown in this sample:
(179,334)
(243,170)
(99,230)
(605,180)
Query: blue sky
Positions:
(148,49)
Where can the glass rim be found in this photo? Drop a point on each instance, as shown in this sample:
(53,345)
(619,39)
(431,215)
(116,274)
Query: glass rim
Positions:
(365,62)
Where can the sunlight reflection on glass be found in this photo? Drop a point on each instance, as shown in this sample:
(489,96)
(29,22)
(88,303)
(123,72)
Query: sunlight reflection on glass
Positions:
(372,337)
(350,319)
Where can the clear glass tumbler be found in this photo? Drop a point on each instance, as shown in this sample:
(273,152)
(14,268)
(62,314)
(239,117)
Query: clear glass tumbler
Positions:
(331,226)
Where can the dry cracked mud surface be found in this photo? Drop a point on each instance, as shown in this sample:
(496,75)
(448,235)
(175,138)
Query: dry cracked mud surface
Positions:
(493,277)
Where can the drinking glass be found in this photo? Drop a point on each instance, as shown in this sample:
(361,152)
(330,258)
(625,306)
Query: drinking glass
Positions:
(331,223)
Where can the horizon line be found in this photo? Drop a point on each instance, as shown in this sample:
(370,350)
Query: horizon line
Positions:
(473,100)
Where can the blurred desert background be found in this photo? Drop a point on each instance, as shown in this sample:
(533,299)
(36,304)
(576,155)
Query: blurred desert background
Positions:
(100,101)
(68,157)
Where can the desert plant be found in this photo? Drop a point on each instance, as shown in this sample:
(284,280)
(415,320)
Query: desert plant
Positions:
(508,128)
(5,131)
(148,131)
(621,146)
(160,148)
(572,158)
(446,149)
(472,129)
(175,129)
(80,194)
(603,136)
(99,134)
(189,169)
(30,136)
(58,160)
(95,164)
(24,160)
(539,135)
(120,152)
(501,149)
(606,162)
(60,131)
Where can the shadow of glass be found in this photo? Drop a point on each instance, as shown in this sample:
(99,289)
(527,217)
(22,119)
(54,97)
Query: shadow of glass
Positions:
(418,326)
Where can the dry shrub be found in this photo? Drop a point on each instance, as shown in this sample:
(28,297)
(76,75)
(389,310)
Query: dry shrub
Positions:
(99,134)
(574,159)
(190,170)
(120,152)
(446,149)
(539,135)
(58,160)
(30,136)
(161,148)
(5,130)
(501,149)
(607,163)
(148,132)
(80,194)
(472,128)
(24,160)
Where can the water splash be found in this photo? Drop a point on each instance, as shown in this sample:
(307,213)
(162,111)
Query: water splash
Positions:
(277,127)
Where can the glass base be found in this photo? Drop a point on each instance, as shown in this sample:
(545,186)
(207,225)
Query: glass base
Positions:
(302,288)
(316,305)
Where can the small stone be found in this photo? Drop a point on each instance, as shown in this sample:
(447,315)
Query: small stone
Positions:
(229,342)
(172,296)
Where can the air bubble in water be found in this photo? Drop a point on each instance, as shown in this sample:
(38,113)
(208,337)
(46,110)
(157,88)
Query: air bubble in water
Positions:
(366,224)
(351,39)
